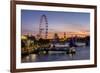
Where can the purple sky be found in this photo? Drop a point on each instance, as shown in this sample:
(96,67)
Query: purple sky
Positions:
(57,21)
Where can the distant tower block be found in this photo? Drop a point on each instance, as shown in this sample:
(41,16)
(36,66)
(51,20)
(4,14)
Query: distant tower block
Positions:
(43,28)
(64,35)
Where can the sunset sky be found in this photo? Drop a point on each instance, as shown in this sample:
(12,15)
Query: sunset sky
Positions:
(58,22)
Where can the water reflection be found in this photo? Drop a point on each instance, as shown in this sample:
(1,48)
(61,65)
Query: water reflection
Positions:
(82,53)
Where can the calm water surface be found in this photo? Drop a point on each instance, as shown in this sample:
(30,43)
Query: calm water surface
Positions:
(82,53)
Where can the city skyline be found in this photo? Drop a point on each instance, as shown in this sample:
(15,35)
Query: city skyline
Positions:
(58,22)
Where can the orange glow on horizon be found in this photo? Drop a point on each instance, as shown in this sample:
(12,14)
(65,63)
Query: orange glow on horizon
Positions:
(68,34)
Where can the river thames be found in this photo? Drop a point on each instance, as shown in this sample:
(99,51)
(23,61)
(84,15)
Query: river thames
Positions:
(82,53)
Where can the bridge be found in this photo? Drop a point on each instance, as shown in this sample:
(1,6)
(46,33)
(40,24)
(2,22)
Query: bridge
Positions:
(63,48)
(45,50)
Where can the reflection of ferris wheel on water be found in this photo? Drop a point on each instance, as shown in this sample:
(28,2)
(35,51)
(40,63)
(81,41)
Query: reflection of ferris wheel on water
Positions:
(43,27)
